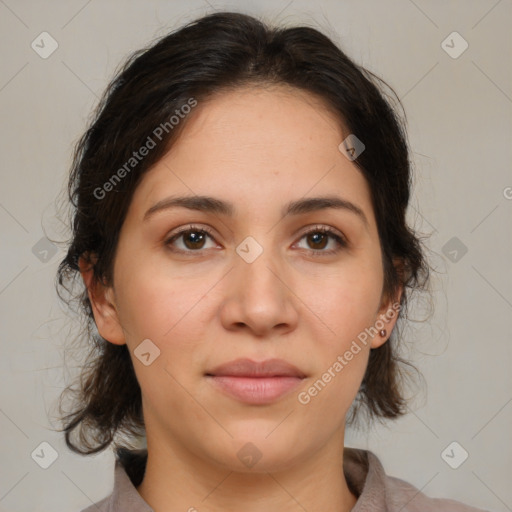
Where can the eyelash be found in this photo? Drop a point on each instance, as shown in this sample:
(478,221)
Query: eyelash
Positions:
(315,252)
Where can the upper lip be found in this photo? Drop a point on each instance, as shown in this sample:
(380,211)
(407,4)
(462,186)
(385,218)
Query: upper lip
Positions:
(249,368)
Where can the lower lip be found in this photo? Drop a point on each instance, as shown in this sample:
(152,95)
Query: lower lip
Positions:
(256,390)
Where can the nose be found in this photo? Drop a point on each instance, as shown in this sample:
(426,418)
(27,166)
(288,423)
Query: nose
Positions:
(260,298)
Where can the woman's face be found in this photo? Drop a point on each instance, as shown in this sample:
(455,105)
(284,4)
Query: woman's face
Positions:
(256,286)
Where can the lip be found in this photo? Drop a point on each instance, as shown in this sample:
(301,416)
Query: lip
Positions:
(256,383)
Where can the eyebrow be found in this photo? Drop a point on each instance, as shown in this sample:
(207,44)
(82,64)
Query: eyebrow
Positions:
(210,204)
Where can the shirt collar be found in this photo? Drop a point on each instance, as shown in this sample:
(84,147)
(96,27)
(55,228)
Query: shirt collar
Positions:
(363,471)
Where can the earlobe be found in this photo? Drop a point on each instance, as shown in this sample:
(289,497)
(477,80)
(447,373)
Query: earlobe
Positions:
(386,318)
(103,304)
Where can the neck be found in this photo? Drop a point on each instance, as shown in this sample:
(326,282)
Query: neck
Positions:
(177,480)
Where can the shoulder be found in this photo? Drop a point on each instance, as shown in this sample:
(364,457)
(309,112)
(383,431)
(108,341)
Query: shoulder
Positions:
(101,506)
(403,496)
(380,492)
(128,472)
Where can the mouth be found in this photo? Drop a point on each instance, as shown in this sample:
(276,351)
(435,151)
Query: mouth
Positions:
(256,383)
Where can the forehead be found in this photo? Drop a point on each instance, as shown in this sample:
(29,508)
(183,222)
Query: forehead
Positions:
(274,115)
(257,146)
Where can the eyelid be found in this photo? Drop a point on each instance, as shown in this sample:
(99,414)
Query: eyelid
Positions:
(334,233)
(185,229)
(313,228)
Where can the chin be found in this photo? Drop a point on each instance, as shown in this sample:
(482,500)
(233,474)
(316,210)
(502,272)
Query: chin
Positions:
(250,452)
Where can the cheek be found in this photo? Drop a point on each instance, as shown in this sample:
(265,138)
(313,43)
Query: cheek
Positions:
(347,303)
(169,310)
(347,309)
(164,310)
(340,358)
(153,304)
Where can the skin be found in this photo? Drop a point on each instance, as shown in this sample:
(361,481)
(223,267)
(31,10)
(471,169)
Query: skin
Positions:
(258,148)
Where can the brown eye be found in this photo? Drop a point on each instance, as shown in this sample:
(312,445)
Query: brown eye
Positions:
(319,238)
(192,239)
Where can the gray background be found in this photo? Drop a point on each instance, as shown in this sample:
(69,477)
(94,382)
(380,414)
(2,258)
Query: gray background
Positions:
(459,122)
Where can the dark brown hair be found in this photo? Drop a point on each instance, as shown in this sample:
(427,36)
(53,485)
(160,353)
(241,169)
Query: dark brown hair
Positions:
(212,54)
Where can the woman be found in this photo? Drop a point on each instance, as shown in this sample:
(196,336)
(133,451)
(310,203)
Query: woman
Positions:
(240,228)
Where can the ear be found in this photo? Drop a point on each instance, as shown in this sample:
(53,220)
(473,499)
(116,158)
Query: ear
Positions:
(387,315)
(103,303)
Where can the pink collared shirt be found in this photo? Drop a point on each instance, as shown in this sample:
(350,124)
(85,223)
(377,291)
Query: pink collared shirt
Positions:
(365,476)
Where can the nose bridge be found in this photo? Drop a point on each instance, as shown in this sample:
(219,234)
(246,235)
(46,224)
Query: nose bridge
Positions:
(258,297)
(259,262)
